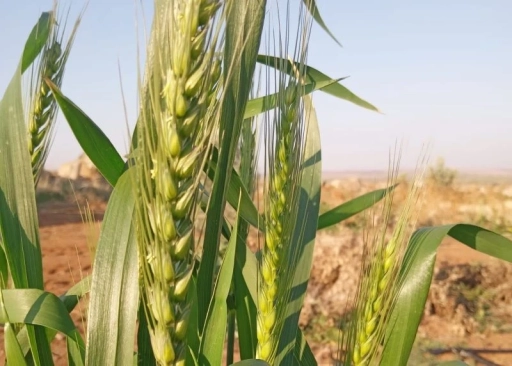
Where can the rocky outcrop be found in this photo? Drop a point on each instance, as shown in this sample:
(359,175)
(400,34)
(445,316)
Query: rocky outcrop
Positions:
(75,179)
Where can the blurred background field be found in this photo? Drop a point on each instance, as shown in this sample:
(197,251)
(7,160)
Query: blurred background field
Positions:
(469,311)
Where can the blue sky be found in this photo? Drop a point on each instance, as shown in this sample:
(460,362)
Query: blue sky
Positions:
(439,70)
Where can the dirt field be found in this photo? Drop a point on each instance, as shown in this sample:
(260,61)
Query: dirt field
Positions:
(470,302)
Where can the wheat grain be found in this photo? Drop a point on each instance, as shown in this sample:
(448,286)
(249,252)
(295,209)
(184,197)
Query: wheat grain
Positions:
(173,141)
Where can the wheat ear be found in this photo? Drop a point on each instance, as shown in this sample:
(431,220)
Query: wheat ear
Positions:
(380,281)
(172,143)
(285,152)
(42,110)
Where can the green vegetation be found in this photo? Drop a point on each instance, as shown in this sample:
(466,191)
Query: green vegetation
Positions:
(441,175)
(157,284)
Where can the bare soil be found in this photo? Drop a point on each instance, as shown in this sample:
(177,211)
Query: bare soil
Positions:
(469,305)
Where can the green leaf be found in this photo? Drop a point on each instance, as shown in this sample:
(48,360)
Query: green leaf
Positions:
(301,256)
(259,105)
(313,9)
(36,40)
(37,307)
(313,74)
(19,226)
(70,300)
(244,25)
(247,209)
(145,355)
(303,354)
(246,268)
(416,277)
(75,293)
(91,138)
(193,334)
(352,207)
(4,268)
(76,355)
(13,352)
(18,214)
(212,342)
(115,284)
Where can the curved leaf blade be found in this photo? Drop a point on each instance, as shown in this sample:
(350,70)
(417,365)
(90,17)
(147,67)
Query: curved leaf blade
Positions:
(237,195)
(212,342)
(115,287)
(313,9)
(19,226)
(245,269)
(416,277)
(37,307)
(36,40)
(91,138)
(337,90)
(352,207)
(244,25)
(4,268)
(263,104)
(70,300)
(13,352)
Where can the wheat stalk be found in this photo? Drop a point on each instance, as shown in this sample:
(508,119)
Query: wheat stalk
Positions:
(42,109)
(173,140)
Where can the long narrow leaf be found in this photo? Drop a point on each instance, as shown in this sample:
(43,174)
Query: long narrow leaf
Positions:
(244,26)
(37,307)
(245,206)
(263,104)
(36,40)
(13,352)
(70,300)
(18,214)
(416,277)
(352,207)
(212,342)
(313,9)
(313,74)
(245,306)
(193,333)
(303,354)
(114,289)
(145,354)
(91,138)
(4,268)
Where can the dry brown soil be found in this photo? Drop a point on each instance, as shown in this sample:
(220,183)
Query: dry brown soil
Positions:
(480,318)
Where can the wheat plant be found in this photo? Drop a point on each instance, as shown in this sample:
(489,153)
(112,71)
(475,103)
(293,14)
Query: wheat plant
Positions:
(163,290)
(42,108)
